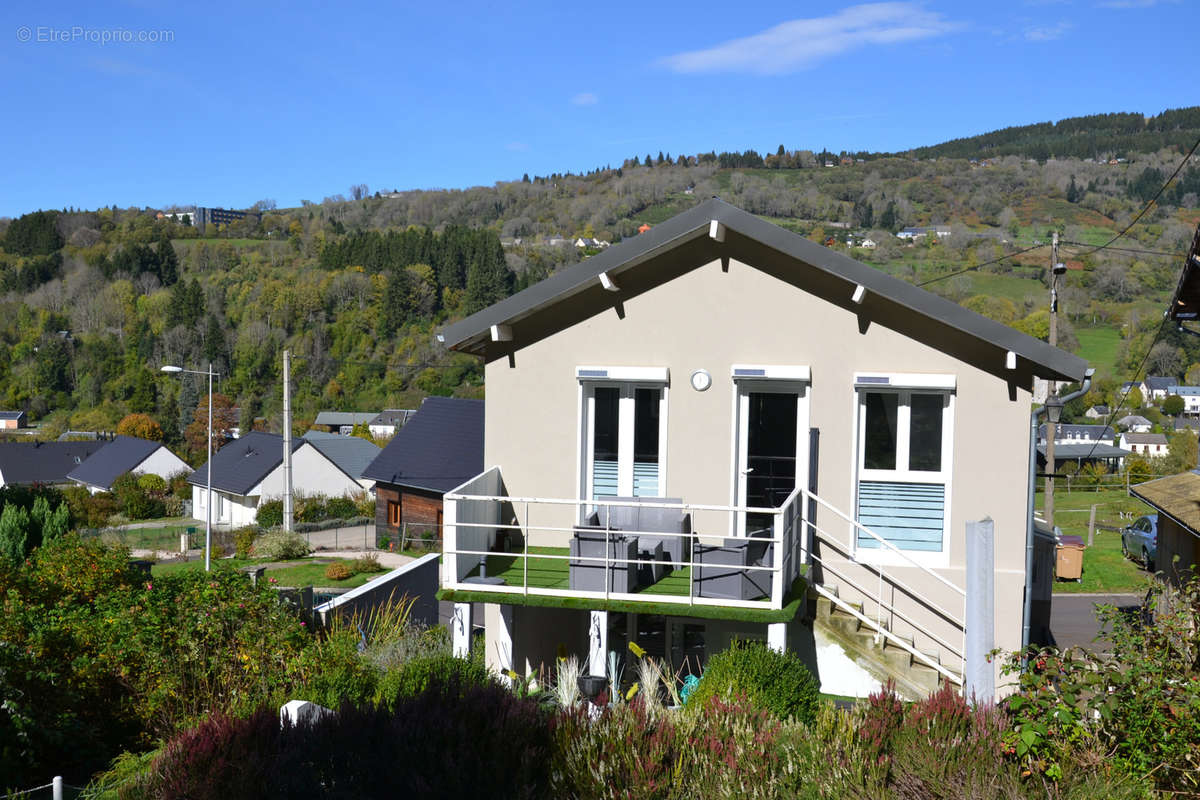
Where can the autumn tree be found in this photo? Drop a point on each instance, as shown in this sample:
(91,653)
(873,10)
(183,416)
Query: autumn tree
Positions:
(141,426)
(224,420)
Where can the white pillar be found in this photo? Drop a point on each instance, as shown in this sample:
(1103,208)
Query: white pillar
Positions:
(598,643)
(979,679)
(498,625)
(777,636)
(460,629)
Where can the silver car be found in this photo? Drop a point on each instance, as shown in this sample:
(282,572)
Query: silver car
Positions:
(1140,541)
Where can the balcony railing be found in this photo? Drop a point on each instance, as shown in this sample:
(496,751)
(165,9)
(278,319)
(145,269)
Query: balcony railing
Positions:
(524,546)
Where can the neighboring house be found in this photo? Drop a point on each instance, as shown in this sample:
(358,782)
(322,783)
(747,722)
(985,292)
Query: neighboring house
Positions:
(1078,434)
(387,422)
(659,419)
(554,239)
(1178,537)
(1136,423)
(868,243)
(11,420)
(910,233)
(1157,387)
(440,448)
(1096,412)
(343,421)
(126,454)
(1145,444)
(248,471)
(1190,396)
(1101,451)
(352,454)
(48,463)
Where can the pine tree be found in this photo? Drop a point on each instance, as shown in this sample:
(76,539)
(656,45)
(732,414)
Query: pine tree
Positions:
(1072,192)
(168,262)
(214,340)
(489,279)
(397,302)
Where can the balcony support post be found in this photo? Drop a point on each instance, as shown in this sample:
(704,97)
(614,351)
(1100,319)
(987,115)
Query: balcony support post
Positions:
(598,643)
(461,630)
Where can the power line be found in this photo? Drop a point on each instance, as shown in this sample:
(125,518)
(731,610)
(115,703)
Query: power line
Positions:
(1149,204)
(979,266)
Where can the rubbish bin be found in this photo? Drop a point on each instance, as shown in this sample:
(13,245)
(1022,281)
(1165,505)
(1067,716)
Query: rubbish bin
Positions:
(1068,565)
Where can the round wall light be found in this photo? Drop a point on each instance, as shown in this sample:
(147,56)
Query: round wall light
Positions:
(701,380)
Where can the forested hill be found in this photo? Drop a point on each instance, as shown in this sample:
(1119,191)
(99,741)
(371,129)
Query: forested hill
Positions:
(94,302)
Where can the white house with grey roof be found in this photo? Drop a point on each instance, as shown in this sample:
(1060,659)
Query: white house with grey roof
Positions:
(691,435)
(123,454)
(249,471)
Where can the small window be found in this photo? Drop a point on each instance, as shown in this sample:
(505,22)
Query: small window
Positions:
(393,514)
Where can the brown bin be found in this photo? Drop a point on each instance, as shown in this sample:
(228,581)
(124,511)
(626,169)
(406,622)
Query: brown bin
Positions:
(1068,566)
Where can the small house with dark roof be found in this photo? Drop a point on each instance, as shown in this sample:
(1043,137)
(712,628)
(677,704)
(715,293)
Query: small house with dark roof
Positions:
(387,422)
(438,449)
(11,420)
(342,421)
(352,454)
(249,471)
(1157,387)
(47,463)
(126,454)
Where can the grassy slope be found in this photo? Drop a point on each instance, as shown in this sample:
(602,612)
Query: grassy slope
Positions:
(1100,347)
(1104,568)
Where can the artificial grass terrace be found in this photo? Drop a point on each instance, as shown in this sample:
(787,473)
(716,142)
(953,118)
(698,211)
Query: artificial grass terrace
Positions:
(553,573)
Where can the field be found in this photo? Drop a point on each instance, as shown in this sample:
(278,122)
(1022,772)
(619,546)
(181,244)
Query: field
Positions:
(1104,568)
(1100,347)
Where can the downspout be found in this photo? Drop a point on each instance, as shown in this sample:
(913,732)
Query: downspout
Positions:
(1029,538)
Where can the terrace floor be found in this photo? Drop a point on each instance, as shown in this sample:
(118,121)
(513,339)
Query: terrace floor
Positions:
(553,573)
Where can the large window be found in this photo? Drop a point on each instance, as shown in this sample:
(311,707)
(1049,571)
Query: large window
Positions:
(624,436)
(904,467)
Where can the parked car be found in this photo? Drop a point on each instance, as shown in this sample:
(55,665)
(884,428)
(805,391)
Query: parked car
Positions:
(1140,541)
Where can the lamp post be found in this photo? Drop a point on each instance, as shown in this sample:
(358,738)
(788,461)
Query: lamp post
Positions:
(208,499)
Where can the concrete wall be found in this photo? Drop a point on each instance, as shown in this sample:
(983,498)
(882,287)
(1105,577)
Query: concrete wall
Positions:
(688,318)
(417,580)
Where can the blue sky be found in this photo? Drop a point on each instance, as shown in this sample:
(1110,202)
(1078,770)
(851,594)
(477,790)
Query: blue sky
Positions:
(300,100)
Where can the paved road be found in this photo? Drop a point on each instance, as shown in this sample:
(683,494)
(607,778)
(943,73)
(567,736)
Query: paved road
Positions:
(1073,617)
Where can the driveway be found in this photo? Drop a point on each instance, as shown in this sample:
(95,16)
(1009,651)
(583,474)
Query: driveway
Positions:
(1073,617)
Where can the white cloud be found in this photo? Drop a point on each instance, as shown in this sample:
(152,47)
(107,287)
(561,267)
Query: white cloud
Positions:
(801,43)
(1047,33)
(584,99)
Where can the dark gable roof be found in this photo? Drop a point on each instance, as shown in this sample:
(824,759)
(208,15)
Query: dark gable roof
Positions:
(746,233)
(43,462)
(351,454)
(240,465)
(115,458)
(440,447)
(1160,382)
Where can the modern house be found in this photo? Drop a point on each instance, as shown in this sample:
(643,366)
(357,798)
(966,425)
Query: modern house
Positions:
(440,448)
(126,454)
(1190,396)
(249,470)
(351,454)
(1145,444)
(11,420)
(47,463)
(690,435)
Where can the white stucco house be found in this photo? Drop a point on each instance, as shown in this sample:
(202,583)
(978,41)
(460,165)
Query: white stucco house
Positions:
(1145,444)
(123,454)
(248,471)
(693,434)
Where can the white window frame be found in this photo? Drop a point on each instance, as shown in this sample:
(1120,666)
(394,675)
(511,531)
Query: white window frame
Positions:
(905,384)
(627,379)
(783,379)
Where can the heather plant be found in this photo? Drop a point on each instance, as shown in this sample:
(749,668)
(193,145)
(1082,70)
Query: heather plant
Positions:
(279,545)
(778,682)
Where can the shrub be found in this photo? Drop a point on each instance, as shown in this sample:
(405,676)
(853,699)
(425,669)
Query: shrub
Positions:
(419,674)
(310,509)
(135,502)
(151,483)
(279,545)
(243,540)
(367,564)
(340,508)
(338,571)
(270,514)
(778,682)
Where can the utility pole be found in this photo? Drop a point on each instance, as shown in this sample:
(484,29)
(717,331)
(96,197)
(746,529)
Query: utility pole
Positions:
(287,441)
(1051,424)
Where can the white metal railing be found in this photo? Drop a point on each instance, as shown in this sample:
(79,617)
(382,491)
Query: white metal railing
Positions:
(472,522)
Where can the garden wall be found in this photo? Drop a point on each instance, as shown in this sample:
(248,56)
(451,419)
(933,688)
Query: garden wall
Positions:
(417,579)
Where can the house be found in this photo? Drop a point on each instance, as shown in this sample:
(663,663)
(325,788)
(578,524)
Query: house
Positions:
(440,448)
(11,420)
(343,421)
(1065,433)
(554,239)
(1178,537)
(351,454)
(1136,423)
(385,424)
(46,463)
(910,233)
(1157,387)
(1190,396)
(703,427)
(869,243)
(1145,444)
(1081,444)
(124,454)
(249,471)
(1096,412)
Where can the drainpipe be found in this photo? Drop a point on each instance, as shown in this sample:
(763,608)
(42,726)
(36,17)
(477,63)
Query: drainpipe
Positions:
(1029,538)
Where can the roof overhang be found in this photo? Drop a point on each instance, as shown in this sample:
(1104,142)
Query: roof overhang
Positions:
(1185,303)
(716,230)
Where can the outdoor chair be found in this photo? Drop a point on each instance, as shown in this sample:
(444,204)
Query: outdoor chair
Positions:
(592,544)
(721,570)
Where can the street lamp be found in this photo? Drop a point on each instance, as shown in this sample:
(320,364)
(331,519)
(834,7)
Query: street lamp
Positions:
(208,499)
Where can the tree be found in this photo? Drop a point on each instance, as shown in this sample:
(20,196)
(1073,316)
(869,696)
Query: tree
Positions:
(1165,359)
(1134,400)
(489,279)
(144,396)
(1173,406)
(14,533)
(214,340)
(168,262)
(141,426)
(224,419)
(1072,191)
(887,220)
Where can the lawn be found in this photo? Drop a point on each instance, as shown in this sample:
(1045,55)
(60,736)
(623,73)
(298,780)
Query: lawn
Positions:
(165,537)
(1099,346)
(1104,568)
(298,572)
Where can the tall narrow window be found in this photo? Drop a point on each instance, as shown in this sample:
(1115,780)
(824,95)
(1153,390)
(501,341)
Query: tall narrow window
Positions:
(903,468)
(624,439)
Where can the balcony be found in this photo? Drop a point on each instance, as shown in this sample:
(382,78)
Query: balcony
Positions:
(623,554)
